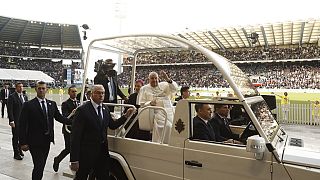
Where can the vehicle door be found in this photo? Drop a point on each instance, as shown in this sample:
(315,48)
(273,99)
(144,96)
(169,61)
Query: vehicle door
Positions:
(217,160)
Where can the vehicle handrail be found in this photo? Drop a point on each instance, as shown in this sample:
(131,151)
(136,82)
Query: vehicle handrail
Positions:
(128,118)
(111,104)
(143,109)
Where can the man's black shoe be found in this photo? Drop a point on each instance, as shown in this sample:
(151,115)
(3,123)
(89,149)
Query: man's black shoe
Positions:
(17,157)
(55,165)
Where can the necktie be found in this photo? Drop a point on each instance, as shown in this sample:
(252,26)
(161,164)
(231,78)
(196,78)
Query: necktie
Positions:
(75,104)
(7,94)
(44,111)
(21,98)
(111,89)
(226,122)
(99,114)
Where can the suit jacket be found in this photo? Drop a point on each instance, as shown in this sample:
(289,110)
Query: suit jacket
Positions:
(33,123)
(103,80)
(84,97)
(2,94)
(223,129)
(203,132)
(132,99)
(88,133)
(67,107)
(14,107)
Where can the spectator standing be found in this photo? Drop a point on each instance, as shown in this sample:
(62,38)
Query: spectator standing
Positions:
(285,105)
(316,113)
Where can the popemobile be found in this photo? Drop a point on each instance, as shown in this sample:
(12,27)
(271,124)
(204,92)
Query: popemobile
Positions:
(266,151)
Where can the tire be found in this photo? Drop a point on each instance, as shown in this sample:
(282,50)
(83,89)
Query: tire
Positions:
(116,171)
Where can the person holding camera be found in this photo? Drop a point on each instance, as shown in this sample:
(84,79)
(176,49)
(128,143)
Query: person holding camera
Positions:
(108,77)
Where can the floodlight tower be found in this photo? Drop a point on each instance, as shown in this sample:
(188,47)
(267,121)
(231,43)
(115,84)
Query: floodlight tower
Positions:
(120,14)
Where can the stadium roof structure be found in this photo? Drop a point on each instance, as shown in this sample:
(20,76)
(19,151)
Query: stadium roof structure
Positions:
(42,34)
(277,34)
(24,75)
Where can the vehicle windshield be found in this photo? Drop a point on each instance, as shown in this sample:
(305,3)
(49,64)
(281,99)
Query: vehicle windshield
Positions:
(267,122)
(241,80)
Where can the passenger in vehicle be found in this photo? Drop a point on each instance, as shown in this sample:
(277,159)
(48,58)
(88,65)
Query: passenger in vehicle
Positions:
(185,94)
(159,94)
(135,132)
(221,123)
(202,129)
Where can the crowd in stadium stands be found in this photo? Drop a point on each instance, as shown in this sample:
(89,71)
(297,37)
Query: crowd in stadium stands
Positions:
(53,69)
(273,53)
(294,75)
(308,52)
(41,53)
(168,57)
(195,76)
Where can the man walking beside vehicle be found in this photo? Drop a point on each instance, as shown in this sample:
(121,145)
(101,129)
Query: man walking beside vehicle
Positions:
(67,108)
(89,144)
(15,102)
(36,130)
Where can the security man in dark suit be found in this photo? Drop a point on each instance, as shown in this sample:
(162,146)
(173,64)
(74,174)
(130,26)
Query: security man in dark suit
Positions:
(4,95)
(37,128)
(89,144)
(14,107)
(85,97)
(109,79)
(67,107)
(185,94)
(221,122)
(202,130)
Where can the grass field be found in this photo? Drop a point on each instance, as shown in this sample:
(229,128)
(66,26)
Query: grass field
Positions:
(294,97)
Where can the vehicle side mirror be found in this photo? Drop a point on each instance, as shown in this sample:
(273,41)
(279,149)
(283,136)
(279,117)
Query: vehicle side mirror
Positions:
(256,145)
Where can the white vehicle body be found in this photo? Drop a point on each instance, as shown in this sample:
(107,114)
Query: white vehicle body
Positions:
(186,158)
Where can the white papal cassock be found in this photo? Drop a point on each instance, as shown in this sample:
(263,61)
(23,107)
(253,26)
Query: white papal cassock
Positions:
(163,94)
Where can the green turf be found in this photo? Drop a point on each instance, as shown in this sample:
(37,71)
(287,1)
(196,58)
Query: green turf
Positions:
(294,97)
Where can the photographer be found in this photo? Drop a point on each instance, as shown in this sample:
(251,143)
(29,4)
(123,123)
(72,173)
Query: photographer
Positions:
(109,79)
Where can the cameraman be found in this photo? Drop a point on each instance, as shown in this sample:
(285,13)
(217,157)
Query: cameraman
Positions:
(107,77)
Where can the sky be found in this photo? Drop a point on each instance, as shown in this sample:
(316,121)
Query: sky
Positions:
(104,16)
(114,17)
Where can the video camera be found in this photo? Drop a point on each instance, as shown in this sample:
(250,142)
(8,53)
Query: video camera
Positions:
(104,67)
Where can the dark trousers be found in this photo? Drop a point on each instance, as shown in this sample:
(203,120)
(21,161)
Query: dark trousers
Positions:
(39,156)
(15,140)
(93,161)
(4,103)
(66,150)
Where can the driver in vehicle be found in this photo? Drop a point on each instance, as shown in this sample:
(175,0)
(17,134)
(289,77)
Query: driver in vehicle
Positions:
(202,129)
(221,123)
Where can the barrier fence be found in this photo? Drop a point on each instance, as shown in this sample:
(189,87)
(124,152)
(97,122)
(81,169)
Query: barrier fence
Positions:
(298,112)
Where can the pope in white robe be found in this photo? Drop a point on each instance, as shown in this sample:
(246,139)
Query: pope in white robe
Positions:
(159,94)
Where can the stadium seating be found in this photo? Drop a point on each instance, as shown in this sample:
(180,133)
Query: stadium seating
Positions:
(289,75)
